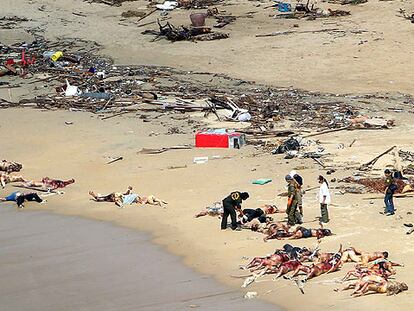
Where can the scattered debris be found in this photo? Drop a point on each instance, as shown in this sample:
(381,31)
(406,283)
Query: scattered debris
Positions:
(407,16)
(288,145)
(197,4)
(344,2)
(378,185)
(250,295)
(109,2)
(183,33)
(162,150)
(167,5)
(261,181)
(131,13)
(200,160)
(115,160)
(369,164)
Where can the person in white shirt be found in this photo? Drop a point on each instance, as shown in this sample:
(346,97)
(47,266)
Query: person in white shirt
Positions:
(324,198)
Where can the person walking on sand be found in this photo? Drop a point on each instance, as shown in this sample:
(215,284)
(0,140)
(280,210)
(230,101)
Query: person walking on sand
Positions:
(299,183)
(390,188)
(324,199)
(293,199)
(230,204)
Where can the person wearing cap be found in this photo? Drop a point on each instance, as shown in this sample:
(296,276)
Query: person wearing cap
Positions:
(230,204)
(390,188)
(292,204)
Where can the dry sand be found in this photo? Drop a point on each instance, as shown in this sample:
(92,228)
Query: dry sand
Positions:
(46,146)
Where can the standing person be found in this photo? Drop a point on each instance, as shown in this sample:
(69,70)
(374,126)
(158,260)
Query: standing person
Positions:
(390,188)
(230,205)
(299,183)
(324,198)
(292,204)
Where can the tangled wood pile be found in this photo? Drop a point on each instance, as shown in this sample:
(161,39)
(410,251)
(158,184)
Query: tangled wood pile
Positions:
(110,2)
(183,33)
(106,88)
(378,184)
(197,4)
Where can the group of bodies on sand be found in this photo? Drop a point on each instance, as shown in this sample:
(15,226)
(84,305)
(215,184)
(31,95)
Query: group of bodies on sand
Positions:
(258,219)
(372,272)
(8,175)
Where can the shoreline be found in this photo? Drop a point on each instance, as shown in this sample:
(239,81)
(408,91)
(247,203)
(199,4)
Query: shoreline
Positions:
(103,263)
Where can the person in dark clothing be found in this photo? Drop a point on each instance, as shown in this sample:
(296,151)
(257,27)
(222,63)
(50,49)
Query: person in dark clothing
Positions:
(230,205)
(259,213)
(296,253)
(390,188)
(20,198)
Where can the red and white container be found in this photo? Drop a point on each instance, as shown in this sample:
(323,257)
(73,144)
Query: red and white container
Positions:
(219,138)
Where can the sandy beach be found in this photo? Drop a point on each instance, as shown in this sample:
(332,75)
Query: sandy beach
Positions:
(369,57)
(199,241)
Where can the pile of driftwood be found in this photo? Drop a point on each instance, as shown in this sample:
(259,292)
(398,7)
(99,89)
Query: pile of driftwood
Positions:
(406,155)
(183,33)
(409,17)
(121,89)
(378,184)
(197,4)
(109,2)
(10,22)
(344,2)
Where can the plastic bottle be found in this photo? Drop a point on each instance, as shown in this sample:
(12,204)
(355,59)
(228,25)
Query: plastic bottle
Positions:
(55,57)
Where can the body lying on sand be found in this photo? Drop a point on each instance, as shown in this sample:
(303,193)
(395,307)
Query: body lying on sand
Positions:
(7,178)
(20,198)
(126,198)
(371,266)
(247,218)
(45,183)
(375,284)
(10,166)
(49,183)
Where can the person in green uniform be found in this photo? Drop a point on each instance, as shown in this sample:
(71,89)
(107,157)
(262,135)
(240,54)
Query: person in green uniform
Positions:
(230,204)
(299,183)
(293,199)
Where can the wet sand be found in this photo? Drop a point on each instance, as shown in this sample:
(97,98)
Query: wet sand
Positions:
(51,262)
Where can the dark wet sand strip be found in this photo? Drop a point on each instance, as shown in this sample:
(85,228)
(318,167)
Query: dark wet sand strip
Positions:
(56,263)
